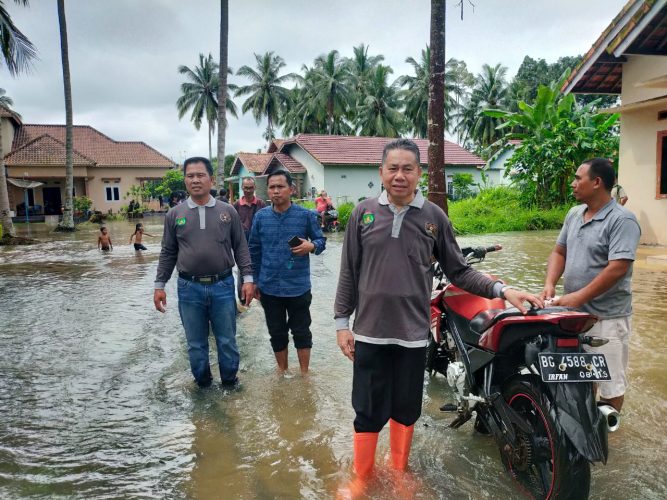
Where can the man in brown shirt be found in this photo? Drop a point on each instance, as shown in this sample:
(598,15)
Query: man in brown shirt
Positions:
(385,280)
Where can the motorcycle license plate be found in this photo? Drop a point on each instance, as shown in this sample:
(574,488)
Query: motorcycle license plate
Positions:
(573,367)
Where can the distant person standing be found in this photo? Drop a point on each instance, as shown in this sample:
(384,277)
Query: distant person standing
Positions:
(222,195)
(281,239)
(247,206)
(619,194)
(203,238)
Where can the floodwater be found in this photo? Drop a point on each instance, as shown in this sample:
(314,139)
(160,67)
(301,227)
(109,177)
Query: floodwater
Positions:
(97,401)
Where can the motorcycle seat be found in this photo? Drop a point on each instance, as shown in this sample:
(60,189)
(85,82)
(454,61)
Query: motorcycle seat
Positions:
(486,319)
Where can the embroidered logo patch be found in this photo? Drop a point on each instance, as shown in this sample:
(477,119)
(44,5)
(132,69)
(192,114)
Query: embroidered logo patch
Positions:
(431,229)
(367,218)
(180,221)
(225,217)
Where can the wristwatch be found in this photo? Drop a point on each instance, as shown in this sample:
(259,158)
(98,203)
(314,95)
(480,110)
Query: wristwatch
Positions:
(503,289)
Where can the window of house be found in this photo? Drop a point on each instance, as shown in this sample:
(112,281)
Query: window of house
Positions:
(662,165)
(112,192)
(450,186)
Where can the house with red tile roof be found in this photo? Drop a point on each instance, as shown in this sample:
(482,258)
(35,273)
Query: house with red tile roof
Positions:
(345,166)
(629,59)
(104,169)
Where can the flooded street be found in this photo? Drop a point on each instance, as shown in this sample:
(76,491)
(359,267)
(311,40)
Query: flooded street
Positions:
(97,399)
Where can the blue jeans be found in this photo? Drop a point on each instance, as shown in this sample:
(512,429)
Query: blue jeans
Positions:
(203,305)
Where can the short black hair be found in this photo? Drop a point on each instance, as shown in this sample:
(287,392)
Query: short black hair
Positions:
(406,144)
(213,192)
(222,191)
(602,168)
(282,172)
(198,159)
(102,228)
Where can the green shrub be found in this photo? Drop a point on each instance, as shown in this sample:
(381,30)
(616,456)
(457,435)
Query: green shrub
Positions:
(81,203)
(344,212)
(309,204)
(499,209)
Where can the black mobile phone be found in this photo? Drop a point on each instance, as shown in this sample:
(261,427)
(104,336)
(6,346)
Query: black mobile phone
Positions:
(294,241)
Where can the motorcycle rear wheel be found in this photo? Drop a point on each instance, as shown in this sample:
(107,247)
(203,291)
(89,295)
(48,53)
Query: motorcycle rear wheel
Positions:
(546,465)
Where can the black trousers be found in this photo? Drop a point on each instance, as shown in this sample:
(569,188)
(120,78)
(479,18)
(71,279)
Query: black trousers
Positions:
(388,382)
(288,313)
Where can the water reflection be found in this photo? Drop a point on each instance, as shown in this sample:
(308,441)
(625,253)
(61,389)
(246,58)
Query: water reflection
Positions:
(96,398)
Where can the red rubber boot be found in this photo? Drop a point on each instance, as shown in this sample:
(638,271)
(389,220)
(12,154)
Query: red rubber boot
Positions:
(400,438)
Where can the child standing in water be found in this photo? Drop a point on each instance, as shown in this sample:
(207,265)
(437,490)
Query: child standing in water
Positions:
(104,240)
(137,235)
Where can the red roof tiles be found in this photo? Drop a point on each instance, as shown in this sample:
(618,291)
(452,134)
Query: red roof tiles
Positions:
(289,163)
(353,150)
(94,145)
(44,151)
(255,162)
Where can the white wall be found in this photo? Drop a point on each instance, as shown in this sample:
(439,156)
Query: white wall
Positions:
(315,170)
(349,183)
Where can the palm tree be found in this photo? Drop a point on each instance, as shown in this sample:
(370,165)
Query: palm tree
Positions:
(223,89)
(490,92)
(266,93)
(436,107)
(416,94)
(17,53)
(359,67)
(67,224)
(17,50)
(379,113)
(200,93)
(5,219)
(331,89)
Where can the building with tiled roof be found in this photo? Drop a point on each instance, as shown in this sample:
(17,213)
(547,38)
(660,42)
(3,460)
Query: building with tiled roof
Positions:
(104,169)
(346,166)
(629,59)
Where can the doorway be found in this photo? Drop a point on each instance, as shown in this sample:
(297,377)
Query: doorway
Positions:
(52,200)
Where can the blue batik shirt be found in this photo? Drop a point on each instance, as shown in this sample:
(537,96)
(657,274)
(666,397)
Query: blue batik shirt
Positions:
(276,270)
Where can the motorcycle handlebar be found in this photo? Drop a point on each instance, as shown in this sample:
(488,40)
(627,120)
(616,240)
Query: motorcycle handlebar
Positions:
(480,252)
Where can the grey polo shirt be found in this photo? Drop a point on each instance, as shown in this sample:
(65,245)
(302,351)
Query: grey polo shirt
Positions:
(612,234)
(202,240)
(385,274)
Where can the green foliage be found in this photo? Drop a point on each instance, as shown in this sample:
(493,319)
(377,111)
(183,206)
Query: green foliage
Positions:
(463,184)
(137,193)
(81,203)
(172,181)
(558,135)
(499,209)
(344,212)
(309,204)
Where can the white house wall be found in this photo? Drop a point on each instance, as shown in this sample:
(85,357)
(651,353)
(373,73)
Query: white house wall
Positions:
(637,171)
(315,171)
(349,183)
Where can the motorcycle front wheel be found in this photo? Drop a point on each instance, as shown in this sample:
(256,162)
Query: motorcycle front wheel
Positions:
(545,464)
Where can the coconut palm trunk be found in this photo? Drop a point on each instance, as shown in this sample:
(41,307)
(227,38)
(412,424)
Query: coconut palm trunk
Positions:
(5,218)
(437,192)
(222,90)
(67,223)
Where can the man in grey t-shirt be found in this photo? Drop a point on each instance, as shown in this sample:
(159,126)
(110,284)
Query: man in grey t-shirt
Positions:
(203,238)
(594,253)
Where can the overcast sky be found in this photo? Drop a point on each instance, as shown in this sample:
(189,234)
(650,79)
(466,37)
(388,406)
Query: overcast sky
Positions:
(124,54)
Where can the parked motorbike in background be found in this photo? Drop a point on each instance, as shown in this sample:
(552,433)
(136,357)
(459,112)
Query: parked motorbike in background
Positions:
(330,224)
(527,379)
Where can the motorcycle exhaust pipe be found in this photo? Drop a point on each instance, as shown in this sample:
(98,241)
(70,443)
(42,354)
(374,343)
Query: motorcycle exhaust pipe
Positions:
(612,417)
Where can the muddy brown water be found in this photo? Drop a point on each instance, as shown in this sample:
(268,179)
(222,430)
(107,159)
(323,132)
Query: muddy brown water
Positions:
(97,401)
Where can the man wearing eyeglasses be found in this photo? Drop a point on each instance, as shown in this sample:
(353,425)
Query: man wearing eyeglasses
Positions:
(203,238)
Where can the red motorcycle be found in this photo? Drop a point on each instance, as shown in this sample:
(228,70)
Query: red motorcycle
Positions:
(527,379)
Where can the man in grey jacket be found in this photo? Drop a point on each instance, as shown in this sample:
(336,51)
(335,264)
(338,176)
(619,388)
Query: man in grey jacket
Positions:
(203,238)
(385,280)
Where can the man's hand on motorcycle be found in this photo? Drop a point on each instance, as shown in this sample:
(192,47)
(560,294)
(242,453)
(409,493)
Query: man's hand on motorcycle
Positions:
(345,341)
(567,300)
(518,297)
(548,292)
